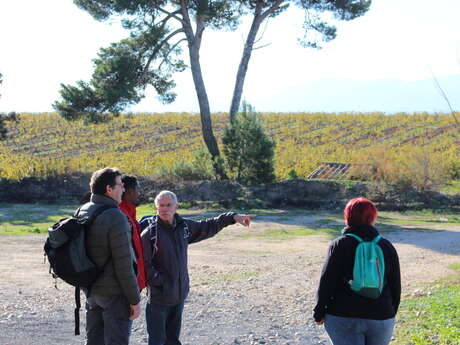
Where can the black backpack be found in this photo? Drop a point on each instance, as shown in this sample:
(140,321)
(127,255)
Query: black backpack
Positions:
(65,249)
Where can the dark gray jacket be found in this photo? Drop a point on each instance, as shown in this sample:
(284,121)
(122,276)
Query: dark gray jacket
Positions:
(109,244)
(167,271)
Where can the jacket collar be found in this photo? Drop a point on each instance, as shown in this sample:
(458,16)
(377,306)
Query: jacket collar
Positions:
(178,220)
(102,199)
(366,232)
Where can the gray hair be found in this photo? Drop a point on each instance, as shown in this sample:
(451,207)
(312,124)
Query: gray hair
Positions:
(165,193)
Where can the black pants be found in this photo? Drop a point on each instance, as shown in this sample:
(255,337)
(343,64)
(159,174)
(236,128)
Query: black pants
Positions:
(164,323)
(107,320)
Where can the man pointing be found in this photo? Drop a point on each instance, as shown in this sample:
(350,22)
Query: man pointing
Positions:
(165,239)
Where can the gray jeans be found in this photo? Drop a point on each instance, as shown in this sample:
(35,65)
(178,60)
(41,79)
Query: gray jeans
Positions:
(107,320)
(355,331)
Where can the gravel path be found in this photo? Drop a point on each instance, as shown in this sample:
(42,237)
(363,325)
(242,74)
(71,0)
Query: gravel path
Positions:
(243,290)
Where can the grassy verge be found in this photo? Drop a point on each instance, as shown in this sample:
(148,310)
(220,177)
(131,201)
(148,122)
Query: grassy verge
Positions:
(330,224)
(284,233)
(25,219)
(21,219)
(432,316)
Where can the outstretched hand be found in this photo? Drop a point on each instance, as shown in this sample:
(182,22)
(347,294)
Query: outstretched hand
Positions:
(243,219)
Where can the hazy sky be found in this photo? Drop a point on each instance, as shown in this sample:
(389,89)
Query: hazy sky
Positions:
(48,42)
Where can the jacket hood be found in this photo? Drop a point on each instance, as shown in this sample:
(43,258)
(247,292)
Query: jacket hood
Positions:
(366,232)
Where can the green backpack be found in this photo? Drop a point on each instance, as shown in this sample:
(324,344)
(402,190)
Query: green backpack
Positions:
(368,269)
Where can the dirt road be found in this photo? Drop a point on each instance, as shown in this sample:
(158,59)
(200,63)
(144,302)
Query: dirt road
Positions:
(244,290)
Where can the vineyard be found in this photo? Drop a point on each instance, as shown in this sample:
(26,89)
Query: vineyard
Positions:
(44,144)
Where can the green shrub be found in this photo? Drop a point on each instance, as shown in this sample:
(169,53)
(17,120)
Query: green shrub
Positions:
(292,174)
(249,152)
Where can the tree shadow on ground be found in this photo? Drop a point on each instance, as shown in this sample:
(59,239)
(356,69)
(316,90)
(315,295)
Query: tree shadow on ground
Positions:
(439,237)
(30,218)
(441,241)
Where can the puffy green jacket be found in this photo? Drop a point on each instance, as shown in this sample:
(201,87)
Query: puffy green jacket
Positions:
(109,244)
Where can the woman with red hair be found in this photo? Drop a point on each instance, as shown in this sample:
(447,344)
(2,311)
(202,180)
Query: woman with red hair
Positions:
(350,318)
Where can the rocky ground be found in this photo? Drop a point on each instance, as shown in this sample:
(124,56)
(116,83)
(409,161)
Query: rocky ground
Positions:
(245,290)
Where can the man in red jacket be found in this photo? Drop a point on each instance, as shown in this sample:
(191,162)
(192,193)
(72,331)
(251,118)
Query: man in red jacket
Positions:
(130,200)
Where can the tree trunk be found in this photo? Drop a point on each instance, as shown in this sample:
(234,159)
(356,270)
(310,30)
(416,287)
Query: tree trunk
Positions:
(205,112)
(259,17)
(243,67)
(194,43)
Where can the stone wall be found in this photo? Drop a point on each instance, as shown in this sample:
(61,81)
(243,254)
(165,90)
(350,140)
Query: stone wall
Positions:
(310,194)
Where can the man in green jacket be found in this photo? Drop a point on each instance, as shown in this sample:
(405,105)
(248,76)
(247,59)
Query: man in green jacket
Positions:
(113,300)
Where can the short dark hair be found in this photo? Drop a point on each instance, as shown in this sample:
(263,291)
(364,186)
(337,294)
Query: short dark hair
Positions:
(103,178)
(129,181)
(360,211)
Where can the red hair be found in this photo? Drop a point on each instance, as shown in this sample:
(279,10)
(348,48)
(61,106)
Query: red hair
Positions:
(360,211)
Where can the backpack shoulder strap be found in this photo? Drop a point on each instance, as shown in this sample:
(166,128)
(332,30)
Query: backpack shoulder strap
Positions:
(359,239)
(77,310)
(186,230)
(77,212)
(96,214)
(377,239)
(153,232)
